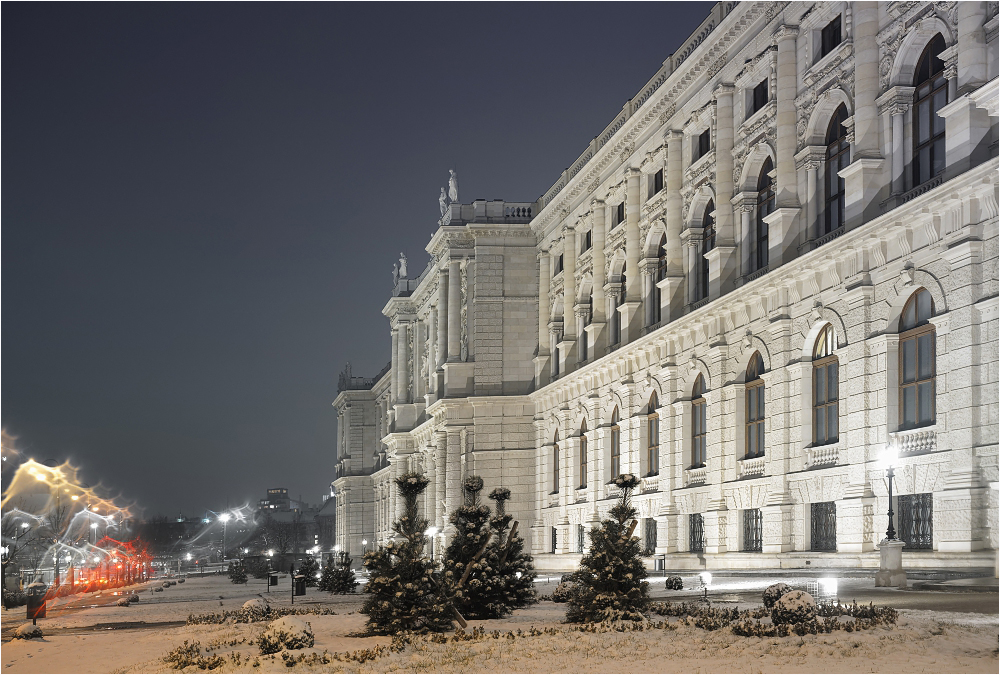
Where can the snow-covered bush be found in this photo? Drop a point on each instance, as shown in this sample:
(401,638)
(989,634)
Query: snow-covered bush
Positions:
(190,655)
(14,598)
(310,570)
(794,607)
(338,577)
(167,584)
(158,589)
(513,568)
(134,597)
(773,592)
(27,631)
(563,591)
(468,576)
(237,574)
(287,632)
(123,602)
(255,609)
(675,584)
(181,580)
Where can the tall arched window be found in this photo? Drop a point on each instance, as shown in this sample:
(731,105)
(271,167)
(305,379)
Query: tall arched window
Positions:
(653,436)
(661,274)
(826,389)
(928,127)
(616,445)
(583,454)
(555,464)
(765,206)
(755,407)
(707,244)
(698,419)
(838,156)
(917,362)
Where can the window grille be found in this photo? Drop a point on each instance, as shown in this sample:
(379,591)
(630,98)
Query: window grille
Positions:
(765,206)
(583,456)
(616,446)
(753,526)
(838,156)
(653,433)
(825,389)
(696,533)
(916,519)
(823,526)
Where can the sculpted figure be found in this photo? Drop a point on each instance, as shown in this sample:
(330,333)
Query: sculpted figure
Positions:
(453,185)
(402,265)
(395,274)
(443,202)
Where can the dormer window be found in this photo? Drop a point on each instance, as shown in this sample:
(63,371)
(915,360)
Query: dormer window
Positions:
(830,37)
(703,145)
(759,97)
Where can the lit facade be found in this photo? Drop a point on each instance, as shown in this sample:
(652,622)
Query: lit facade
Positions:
(778,260)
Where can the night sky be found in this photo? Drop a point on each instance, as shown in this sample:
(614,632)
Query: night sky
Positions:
(202,205)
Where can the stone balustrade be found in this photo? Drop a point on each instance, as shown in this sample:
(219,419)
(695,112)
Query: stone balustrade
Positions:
(695,476)
(751,467)
(915,441)
(824,455)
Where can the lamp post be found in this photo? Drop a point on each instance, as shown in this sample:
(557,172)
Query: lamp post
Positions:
(431,532)
(225,519)
(890,571)
(364,546)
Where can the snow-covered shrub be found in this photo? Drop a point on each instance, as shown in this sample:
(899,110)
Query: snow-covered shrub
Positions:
(773,592)
(675,584)
(255,610)
(167,584)
(134,597)
(27,631)
(287,632)
(563,592)
(181,580)
(14,598)
(237,574)
(158,589)
(190,655)
(123,602)
(794,607)
(338,577)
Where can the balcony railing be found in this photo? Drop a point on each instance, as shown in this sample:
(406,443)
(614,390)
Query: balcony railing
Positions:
(649,484)
(915,441)
(751,467)
(824,455)
(695,476)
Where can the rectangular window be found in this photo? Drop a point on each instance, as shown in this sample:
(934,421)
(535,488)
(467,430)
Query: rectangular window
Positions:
(917,378)
(558,266)
(554,539)
(830,37)
(653,449)
(583,461)
(753,528)
(619,214)
(698,433)
(657,183)
(759,97)
(823,526)
(616,450)
(704,144)
(696,533)
(581,538)
(916,516)
(825,404)
(588,241)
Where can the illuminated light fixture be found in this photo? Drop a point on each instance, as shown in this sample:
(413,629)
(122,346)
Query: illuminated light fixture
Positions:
(225,517)
(706,578)
(828,586)
(270,553)
(93,526)
(75,497)
(189,556)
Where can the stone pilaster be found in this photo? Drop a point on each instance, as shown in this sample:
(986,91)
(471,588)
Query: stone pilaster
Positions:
(896,103)
(443,322)
(972,49)
(674,222)
(724,265)
(787,192)
(454,310)
(542,353)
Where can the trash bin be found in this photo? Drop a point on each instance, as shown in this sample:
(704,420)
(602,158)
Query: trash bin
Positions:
(272,579)
(35,593)
(299,580)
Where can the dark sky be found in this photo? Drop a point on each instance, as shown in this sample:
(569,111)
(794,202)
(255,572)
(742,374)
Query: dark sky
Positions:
(202,205)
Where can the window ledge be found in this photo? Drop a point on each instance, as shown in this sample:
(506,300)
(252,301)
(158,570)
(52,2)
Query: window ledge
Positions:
(828,62)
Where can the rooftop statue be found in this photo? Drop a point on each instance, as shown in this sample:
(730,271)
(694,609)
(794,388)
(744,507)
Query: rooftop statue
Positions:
(402,265)
(453,185)
(443,202)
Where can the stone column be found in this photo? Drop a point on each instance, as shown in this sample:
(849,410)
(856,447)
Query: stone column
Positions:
(863,177)
(543,351)
(723,263)
(787,188)
(454,310)
(402,373)
(599,334)
(432,340)
(442,328)
(395,367)
(694,268)
(744,204)
(674,221)
(972,54)
(632,243)
(569,283)
(896,104)
(809,160)
(440,477)
(419,383)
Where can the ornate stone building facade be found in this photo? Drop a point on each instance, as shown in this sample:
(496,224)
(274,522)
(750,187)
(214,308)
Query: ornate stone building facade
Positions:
(779,261)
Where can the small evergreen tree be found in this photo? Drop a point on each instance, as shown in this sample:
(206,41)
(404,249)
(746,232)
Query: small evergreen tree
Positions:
(257,568)
(237,574)
(403,592)
(514,584)
(464,557)
(338,577)
(310,569)
(610,584)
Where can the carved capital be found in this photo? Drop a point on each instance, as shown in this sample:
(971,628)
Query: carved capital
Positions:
(785,32)
(810,158)
(724,89)
(896,101)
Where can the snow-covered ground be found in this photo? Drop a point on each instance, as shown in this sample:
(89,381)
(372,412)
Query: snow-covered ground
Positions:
(88,635)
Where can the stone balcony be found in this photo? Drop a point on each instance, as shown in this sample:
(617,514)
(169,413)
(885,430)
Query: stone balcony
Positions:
(823,455)
(751,467)
(696,476)
(915,441)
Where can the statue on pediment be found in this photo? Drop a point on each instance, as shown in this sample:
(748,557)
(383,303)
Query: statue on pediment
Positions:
(402,265)
(443,202)
(452,185)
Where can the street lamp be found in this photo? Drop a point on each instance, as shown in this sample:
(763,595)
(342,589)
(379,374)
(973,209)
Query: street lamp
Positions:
(364,546)
(431,532)
(93,527)
(890,455)
(225,519)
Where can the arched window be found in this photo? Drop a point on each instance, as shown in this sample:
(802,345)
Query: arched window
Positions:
(583,454)
(707,244)
(838,156)
(698,419)
(616,445)
(917,362)
(755,407)
(653,436)
(661,274)
(928,127)
(826,389)
(555,464)
(765,206)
